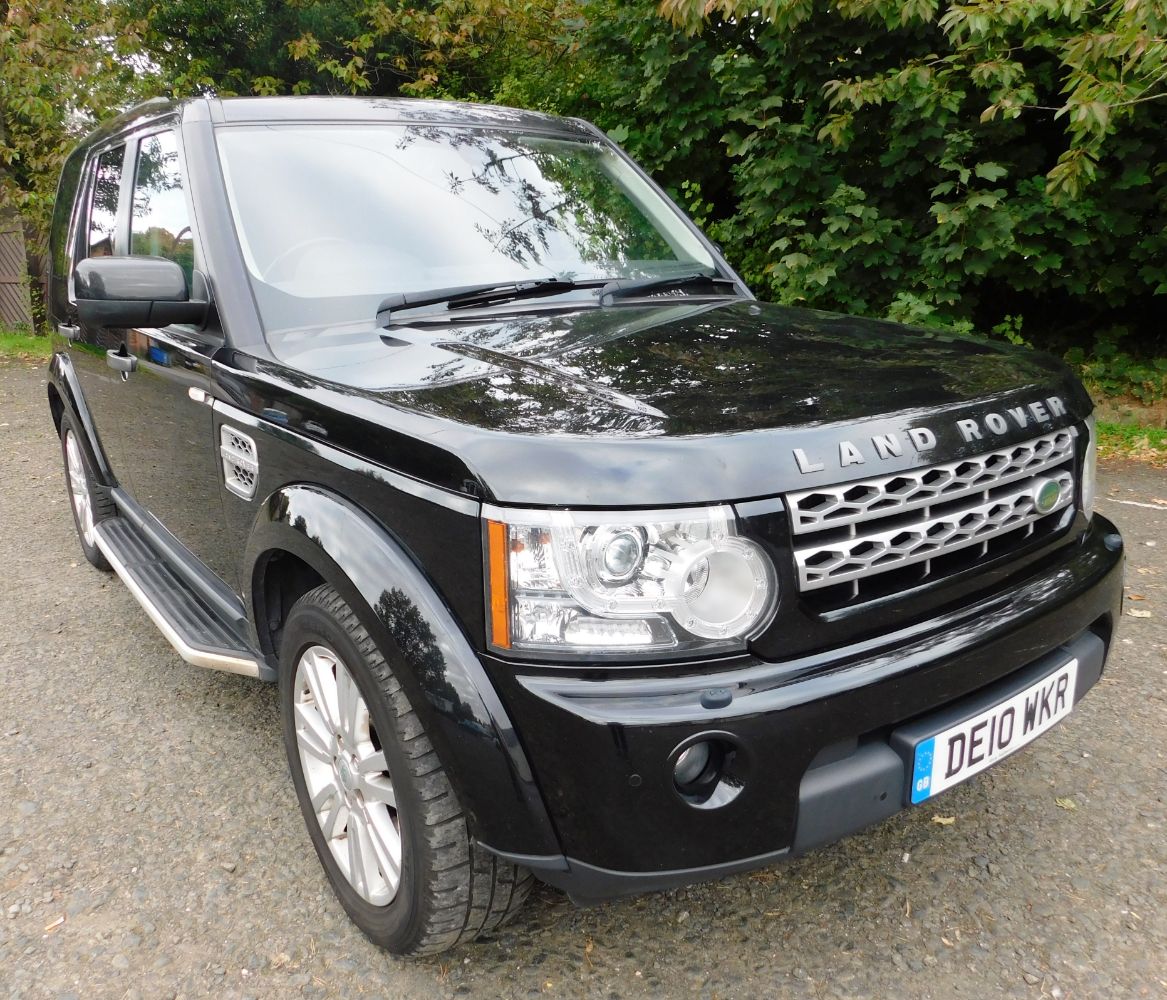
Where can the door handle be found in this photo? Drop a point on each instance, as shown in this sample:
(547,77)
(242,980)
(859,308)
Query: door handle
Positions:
(119,362)
(68,332)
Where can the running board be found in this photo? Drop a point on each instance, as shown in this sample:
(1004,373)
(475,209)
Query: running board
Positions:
(198,633)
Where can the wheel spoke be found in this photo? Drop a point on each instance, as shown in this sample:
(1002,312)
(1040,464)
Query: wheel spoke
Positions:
(386,845)
(367,854)
(349,704)
(323,797)
(356,863)
(374,763)
(378,788)
(312,733)
(317,671)
(333,820)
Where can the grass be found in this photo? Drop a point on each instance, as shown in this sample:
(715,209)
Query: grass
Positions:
(1143,444)
(24,345)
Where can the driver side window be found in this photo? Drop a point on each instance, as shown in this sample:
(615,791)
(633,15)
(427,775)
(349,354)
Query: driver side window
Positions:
(160,221)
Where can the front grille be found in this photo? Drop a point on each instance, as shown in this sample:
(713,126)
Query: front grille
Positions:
(923,524)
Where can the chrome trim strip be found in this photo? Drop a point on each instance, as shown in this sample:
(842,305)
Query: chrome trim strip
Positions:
(908,544)
(330,453)
(197,657)
(988,470)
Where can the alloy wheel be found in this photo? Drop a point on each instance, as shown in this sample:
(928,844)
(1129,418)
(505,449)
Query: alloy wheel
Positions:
(79,487)
(346,775)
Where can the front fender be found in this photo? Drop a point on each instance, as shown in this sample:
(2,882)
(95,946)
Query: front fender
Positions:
(427,650)
(63,378)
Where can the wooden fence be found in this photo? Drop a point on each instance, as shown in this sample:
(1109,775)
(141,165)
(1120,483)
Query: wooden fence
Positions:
(15,304)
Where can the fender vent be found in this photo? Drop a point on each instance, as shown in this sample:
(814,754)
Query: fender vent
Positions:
(240,462)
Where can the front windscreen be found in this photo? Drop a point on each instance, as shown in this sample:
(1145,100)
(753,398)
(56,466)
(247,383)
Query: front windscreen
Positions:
(334,218)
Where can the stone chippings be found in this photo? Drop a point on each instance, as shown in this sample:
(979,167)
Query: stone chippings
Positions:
(147,803)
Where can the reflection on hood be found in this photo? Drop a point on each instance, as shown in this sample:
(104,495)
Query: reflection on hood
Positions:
(666,369)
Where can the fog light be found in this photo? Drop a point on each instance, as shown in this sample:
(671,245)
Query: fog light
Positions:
(709,770)
(691,765)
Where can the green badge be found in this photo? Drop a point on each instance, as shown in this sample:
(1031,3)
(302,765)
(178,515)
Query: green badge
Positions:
(1046,496)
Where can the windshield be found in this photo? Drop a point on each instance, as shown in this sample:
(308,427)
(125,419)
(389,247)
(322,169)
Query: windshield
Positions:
(334,218)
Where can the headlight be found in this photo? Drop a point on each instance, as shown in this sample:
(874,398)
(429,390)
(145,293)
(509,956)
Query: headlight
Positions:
(585,583)
(1090,468)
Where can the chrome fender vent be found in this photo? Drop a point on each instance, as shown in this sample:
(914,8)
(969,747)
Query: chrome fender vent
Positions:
(240,462)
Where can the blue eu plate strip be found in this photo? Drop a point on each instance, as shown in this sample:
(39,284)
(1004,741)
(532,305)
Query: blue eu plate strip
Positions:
(922,776)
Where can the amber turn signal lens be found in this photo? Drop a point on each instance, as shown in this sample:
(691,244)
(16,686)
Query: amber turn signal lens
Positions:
(500,617)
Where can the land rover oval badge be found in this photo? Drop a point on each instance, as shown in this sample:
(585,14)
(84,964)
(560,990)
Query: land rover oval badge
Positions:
(1046,495)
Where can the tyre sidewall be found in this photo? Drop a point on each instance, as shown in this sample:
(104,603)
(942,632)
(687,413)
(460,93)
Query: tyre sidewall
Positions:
(400,922)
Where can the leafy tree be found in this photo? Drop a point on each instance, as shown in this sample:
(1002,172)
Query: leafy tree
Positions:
(246,46)
(995,164)
(64,65)
(1002,158)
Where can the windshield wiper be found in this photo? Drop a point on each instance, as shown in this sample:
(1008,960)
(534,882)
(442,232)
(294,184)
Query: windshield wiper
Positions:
(629,287)
(464,296)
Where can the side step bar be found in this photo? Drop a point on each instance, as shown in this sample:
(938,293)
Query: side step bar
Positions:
(198,633)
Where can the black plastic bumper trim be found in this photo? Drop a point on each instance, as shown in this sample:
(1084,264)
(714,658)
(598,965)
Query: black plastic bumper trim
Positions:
(835,800)
(587,884)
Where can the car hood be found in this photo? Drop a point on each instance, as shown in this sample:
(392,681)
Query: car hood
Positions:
(705,368)
(719,382)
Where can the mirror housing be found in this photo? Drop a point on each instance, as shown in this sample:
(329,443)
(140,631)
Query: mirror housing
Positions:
(135,292)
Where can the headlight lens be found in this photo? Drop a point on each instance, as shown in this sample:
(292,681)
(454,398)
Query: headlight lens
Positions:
(590,582)
(1090,468)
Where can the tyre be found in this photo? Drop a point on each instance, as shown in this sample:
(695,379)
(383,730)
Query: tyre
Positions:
(87,504)
(380,809)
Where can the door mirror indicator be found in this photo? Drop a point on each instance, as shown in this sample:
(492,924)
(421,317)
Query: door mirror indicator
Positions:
(135,291)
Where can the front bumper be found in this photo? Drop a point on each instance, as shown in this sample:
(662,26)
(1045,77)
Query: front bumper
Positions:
(816,759)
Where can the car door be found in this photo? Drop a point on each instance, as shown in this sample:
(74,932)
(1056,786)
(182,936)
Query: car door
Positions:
(167,434)
(100,233)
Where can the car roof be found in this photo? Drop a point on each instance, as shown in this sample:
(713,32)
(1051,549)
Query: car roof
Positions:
(397,110)
(233,110)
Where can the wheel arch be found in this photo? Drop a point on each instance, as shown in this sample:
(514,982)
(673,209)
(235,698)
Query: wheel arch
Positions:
(64,395)
(314,535)
(56,407)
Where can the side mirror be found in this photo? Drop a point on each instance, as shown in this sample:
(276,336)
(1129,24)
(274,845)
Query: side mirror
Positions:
(135,291)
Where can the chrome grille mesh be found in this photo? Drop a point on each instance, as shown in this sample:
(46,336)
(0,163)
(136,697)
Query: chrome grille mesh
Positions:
(848,532)
(811,510)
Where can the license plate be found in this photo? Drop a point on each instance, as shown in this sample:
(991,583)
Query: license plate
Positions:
(969,747)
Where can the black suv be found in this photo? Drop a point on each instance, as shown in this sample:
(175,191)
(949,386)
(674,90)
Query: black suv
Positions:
(570,558)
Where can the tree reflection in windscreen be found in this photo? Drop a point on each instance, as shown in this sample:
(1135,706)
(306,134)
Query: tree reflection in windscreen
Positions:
(554,190)
(350,214)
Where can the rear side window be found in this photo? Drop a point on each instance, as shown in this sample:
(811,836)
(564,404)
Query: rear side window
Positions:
(160,223)
(103,208)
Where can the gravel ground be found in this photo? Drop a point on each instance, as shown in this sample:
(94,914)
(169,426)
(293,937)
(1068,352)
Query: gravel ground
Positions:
(150,844)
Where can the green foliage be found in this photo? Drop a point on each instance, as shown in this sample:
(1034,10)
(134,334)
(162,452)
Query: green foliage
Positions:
(64,65)
(992,165)
(994,161)
(1010,329)
(250,46)
(1113,371)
